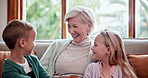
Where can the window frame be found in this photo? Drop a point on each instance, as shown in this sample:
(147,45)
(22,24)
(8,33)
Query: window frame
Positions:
(131,22)
(15,11)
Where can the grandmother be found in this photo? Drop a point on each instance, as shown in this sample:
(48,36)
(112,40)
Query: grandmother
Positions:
(70,57)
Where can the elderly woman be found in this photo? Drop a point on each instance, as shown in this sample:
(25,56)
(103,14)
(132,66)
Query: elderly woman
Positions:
(70,57)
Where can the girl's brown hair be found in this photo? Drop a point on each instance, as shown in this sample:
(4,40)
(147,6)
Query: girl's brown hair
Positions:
(118,56)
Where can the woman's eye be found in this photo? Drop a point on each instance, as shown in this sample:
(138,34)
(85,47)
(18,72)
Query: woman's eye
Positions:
(69,27)
(95,45)
(75,26)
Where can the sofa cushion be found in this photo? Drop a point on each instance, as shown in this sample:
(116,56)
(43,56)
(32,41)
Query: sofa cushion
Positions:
(3,55)
(139,62)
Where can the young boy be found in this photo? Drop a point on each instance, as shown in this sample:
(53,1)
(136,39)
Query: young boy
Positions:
(19,37)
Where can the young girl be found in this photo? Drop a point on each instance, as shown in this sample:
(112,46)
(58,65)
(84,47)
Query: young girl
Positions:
(108,49)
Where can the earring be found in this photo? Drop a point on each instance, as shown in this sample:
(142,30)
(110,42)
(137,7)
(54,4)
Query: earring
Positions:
(107,54)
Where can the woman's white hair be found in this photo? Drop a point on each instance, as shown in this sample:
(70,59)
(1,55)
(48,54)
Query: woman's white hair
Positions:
(86,15)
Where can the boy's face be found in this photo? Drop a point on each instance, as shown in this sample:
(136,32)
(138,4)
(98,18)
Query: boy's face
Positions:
(29,44)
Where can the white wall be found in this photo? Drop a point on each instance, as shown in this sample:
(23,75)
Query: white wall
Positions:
(3,16)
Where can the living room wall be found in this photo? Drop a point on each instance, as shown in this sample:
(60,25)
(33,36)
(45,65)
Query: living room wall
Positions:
(3,16)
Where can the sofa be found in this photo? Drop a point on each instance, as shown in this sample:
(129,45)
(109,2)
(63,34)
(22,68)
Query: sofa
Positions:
(136,50)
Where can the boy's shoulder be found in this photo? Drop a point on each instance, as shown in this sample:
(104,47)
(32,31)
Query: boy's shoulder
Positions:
(31,56)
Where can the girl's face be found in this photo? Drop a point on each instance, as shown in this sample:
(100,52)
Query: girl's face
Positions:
(77,29)
(99,49)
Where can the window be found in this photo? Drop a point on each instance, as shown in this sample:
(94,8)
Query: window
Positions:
(127,17)
(142,18)
(46,16)
(110,14)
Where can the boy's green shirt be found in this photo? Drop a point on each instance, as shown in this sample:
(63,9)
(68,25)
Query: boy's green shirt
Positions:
(13,70)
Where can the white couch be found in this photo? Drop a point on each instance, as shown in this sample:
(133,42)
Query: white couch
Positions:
(132,46)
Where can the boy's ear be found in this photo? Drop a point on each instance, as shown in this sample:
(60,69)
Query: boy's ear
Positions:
(22,42)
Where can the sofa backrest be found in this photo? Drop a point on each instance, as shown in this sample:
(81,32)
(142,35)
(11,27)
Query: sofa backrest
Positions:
(132,46)
(136,46)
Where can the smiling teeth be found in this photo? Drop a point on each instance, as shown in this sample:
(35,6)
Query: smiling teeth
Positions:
(75,35)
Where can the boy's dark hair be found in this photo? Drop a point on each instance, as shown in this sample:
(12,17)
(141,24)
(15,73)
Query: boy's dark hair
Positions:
(14,30)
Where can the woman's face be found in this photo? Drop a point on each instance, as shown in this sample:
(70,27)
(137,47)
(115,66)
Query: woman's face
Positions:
(77,29)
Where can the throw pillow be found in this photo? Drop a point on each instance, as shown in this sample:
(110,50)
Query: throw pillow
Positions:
(3,55)
(139,62)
